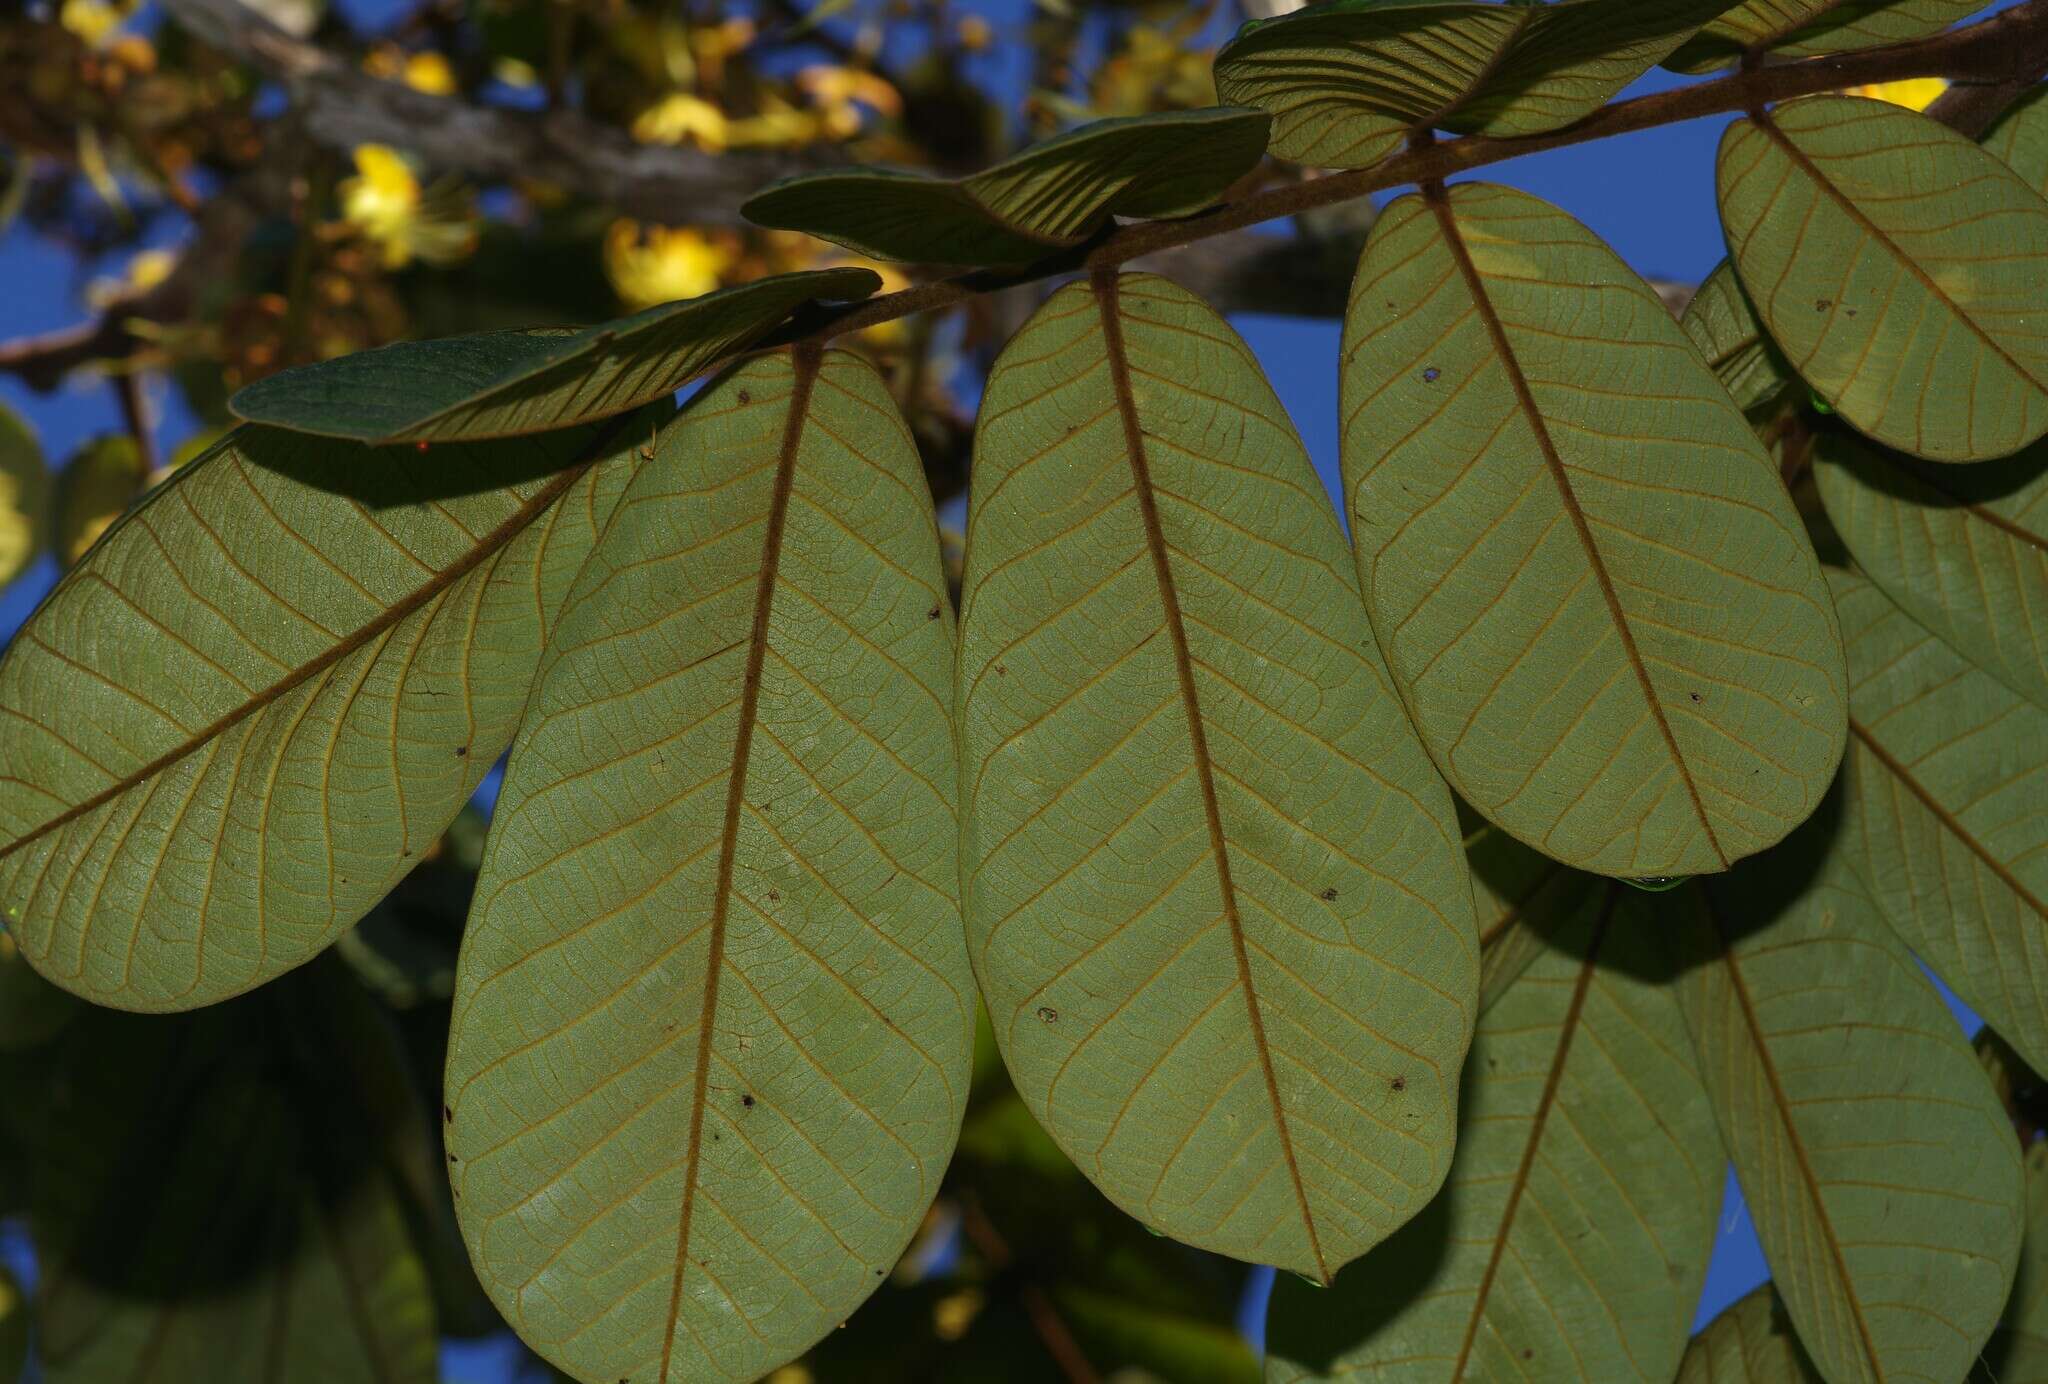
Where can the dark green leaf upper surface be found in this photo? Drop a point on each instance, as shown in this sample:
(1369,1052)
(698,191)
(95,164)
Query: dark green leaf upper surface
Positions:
(1874,1157)
(1212,886)
(1051,195)
(1947,812)
(1590,584)
(713,1014)
(1802,28)
(1347,84)
(258,701)
(1743,357)
(1902,270)
(503,384)
(1750,1342)
(1572,1235)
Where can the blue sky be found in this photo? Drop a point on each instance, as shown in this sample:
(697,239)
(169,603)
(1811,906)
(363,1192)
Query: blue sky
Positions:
(1650,195)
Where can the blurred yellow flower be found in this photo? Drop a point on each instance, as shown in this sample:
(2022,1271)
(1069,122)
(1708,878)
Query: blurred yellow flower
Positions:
(1914,93)
(385,203)
(840,92)
(659,264)
(679,118)
(92,20)
(428,72)
(146,269)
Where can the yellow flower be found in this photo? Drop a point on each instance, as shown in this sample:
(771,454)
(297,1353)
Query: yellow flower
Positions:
(385,203)
(92,20)
(659,264)
(430,72)
(1914,93)
(681,118)
(840,92)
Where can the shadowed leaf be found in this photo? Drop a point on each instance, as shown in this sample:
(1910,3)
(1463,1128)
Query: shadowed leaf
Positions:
(101,479)
(1899,267)
(1592,588)
(1947,812)
(1801,28)
(1874,1157)
(1723,325)
(1750,1342)
(1053,194)
(1348,83)
(1196,827)
(32,1010)
(713,1019)
(1572,1234)
(257,702)
(1962,549)
(503,384)
(1522,898)
(2020,139)
(2017,1352)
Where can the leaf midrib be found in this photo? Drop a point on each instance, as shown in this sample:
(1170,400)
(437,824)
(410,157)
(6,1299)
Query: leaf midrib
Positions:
(485,547)
(1972,508)
(1437,199)
(806,359)
(1104,285)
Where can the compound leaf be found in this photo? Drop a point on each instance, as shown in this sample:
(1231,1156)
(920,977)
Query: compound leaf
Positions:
(1742,356)
(2019,139)
(508,383)
(1802,28)
(712,1019)
(1899,267)
(1592,588)
(258,701)
(1054,194)
(1947,812)
(1572,1235)
(1750,1342)
(1875,1158)
(1963,549)
(1212,887)
(1347,84)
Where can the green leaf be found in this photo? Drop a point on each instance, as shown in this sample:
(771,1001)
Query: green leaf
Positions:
(504,384)
(713,1018)
(1213,890)
(1522,899)
(1052,195)
(2020,139)
(1750,1342)
(2017,1352)
(1947,812)
(101,479)
(24,497)
(1723,325)
(1900,269)
(238,721)
(1875,1159)
(1963,549)
(1573,1233)
(1802,28)
(209,1205)
(1348,84)
(1594,592)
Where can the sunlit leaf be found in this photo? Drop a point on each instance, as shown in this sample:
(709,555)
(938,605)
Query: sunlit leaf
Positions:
(1801,28)
(243,717)
(1750,1342)
(1947,812)
(101,479)
(1899,267)
(713,1018)
(2017,1352)
(1572,1235)
(2020,139)
(1593,590)
(24,497)
(501,384)
(1213,888)
(1347,83)
(1876,1162)
(1963,549)
(1723,325)
(1056,193)
(1523,899)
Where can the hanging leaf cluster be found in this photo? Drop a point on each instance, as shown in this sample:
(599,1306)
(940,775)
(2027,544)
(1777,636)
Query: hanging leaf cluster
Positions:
(1427,899)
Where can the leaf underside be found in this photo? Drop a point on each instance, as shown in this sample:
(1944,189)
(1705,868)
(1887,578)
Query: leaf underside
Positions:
(2020,139)
(1750,1342)
(2017,1352)
(258,701)
(1803,28)
(1593,590)
(1213,889)
(509,383)
(1947,812)
(1742,356)
(1573,1233)
(713,1014)
(1054,194)
(1522,899)
(1900,269)
(1874,1157)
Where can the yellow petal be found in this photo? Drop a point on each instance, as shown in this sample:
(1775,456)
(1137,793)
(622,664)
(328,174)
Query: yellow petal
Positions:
(1914,93)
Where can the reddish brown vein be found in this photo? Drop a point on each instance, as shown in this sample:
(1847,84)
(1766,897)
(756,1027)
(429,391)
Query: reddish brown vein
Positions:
(1438,201)
(806,358)
(1105,285)
(483,549)
(1545,1103)
(1970,507)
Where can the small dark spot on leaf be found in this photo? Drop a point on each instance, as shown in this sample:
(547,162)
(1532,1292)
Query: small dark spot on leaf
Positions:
(1822,304)
(716,1137)
(1850,311)
(1001,671)
(745,397)
(747,1101)
(462,751)
(1697,697)
(775,896)
(1329,896)
(932,614)
(1431,375)
(878,1273)
(448,1114)
(1390,302)
(405,855)
(1528,1354)
(1048,1013)
(453,1159)
(1400,1083)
